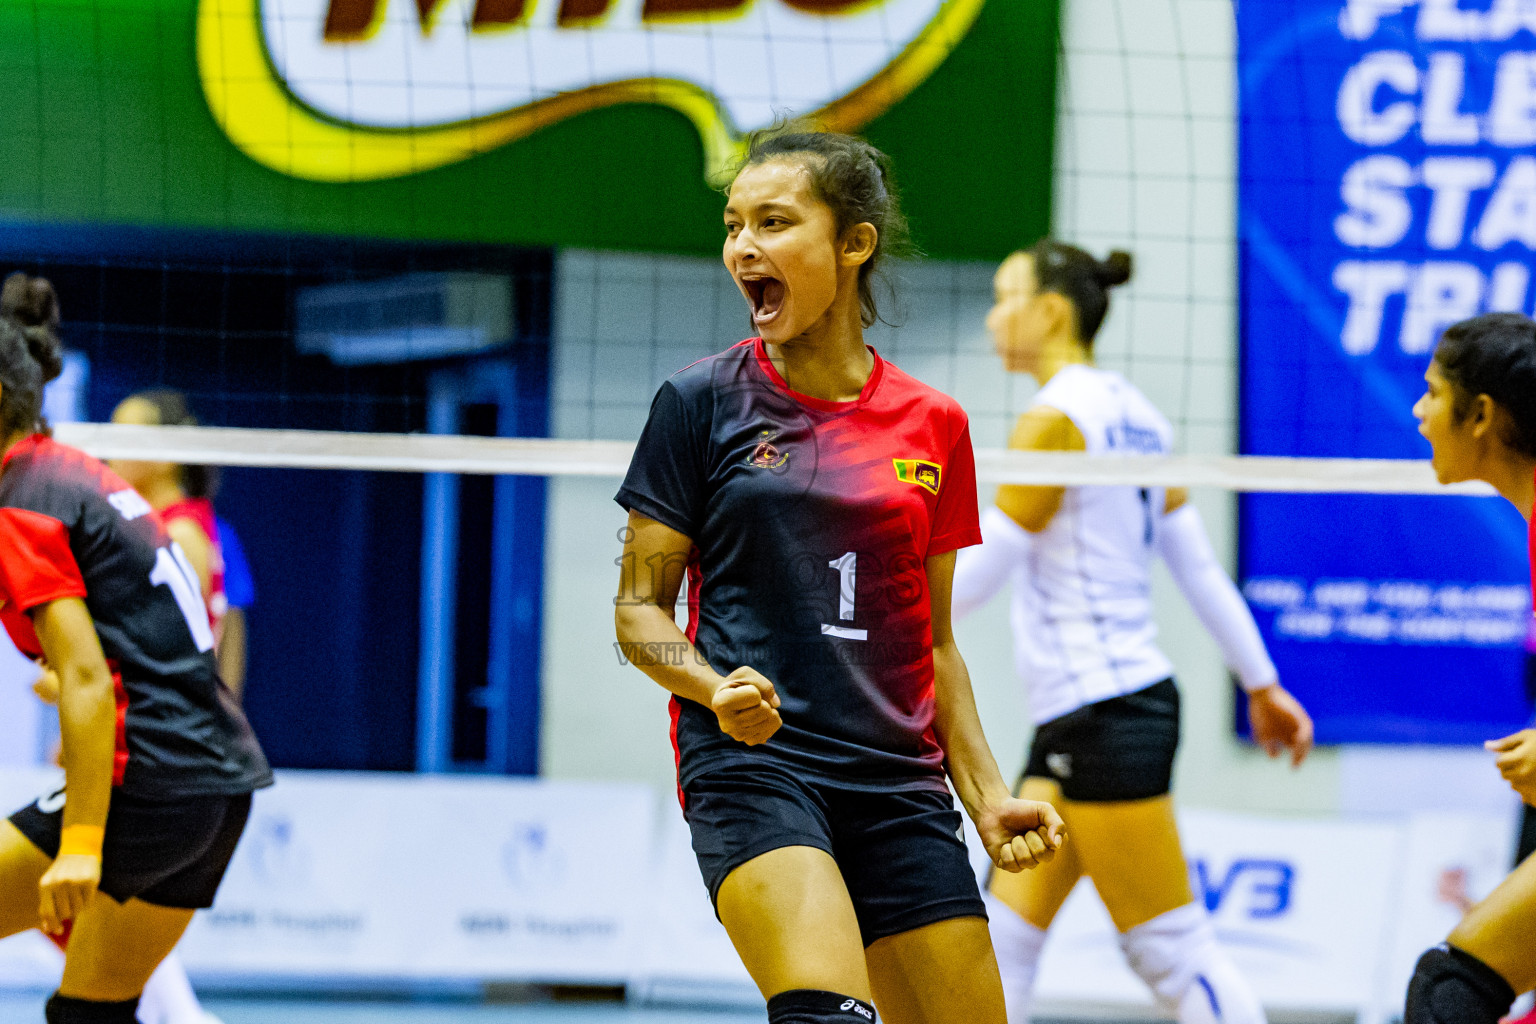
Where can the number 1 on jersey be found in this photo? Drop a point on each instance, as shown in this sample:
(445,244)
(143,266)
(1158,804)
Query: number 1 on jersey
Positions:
(847,577)
(173,570)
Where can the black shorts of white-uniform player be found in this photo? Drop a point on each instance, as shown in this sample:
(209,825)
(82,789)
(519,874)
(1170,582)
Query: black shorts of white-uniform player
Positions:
(186,760)
(811,523)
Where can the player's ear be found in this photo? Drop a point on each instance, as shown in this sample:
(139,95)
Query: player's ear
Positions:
(1482,415)
(858,244)
(1057,311)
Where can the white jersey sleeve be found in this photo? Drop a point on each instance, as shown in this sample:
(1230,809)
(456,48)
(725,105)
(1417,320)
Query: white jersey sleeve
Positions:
(981,571)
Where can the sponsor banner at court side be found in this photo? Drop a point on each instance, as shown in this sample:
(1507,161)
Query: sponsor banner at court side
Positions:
(401,876)
(1303,906)
(355,90)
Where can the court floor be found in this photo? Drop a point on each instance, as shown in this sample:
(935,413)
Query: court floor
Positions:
(28,1009)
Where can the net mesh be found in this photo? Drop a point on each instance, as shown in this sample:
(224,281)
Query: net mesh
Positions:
(288,306)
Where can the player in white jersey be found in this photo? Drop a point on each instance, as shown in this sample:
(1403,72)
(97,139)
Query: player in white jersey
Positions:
(1105,705)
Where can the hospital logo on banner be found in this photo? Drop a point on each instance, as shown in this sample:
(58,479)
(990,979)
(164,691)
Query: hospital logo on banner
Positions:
(357,90)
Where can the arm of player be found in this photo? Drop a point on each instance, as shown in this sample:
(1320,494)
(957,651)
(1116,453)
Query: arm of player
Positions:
(1041,429)
(981,570)
(1517,762)
(644,619)
(1278,719)
(1018,834)
(88,724)
(196,546)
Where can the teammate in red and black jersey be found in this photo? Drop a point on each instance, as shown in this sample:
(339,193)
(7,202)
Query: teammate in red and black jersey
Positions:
(1478,413)
(159,763)
(817,495)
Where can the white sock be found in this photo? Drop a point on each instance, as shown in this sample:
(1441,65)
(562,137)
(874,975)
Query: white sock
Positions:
(1017,944)
(1178,957)
(168,997)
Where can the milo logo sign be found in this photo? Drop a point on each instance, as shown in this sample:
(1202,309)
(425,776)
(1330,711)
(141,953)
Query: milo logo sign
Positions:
(356,90)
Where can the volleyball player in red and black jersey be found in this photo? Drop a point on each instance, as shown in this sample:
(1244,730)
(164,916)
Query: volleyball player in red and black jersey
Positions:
(159,763)
(817,496)
(1478,413)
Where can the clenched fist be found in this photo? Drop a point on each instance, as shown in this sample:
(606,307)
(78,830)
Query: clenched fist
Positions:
(1020,834)
(747,707)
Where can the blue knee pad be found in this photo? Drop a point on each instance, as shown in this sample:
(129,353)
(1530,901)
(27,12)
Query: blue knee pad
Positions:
(1451,986)
(814,1006)
(67,1010)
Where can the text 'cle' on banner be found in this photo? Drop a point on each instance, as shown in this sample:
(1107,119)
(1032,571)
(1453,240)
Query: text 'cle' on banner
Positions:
(1387,188)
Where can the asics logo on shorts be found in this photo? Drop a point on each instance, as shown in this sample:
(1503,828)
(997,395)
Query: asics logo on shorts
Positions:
(853,1004)
(1060,765)
(51,802)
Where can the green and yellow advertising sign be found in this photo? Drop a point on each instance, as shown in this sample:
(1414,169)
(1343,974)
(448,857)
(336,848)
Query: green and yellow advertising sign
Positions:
(604,123)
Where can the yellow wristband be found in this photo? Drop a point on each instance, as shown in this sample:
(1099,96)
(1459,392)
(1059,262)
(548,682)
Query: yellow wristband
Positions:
(81,841)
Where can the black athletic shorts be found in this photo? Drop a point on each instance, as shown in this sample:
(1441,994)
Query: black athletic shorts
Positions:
(1117,749)
(169,853)
(901,851)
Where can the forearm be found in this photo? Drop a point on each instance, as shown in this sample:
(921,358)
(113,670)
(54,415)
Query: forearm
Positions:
(232,652)
(649,639)
(972,769)
(88,728)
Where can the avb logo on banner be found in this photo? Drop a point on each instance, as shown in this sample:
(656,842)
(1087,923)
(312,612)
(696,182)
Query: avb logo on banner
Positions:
(352,90)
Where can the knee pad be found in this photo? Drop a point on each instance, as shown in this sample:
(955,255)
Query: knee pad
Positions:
(814,1006)
(1451,986)
(1017,944)
(66,1010)
(1178,957)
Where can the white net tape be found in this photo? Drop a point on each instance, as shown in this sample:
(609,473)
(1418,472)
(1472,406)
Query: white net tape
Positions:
(438,453)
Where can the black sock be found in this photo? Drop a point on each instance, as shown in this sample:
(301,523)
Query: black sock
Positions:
(813,1006)
(67,1010)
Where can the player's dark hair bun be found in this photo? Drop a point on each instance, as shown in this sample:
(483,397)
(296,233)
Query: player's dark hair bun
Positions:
(1072,273)
(31,301)
(46,350)
(1115,269)
(33,305)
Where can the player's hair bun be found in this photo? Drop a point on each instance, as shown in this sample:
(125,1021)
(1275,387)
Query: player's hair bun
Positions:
(1115,269)
(33,305)
(30,301)
(46,350)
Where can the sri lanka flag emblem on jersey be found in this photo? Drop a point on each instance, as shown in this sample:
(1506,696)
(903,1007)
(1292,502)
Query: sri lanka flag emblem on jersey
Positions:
(917,471)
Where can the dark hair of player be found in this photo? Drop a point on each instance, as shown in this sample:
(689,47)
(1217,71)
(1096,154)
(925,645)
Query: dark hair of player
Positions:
(1494,355)
(853,179)
(30,301)
(172,410)
(1080,279)
(30,357)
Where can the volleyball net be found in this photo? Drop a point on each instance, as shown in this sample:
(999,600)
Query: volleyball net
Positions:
(553,457)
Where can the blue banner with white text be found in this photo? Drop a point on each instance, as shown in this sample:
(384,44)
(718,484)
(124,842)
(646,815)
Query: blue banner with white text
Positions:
(1387,188)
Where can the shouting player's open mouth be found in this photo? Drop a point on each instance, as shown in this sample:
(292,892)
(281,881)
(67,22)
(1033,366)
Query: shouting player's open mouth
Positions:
(766,295)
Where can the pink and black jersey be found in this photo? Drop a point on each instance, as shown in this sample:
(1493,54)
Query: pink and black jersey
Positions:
(811,523)
(70,527)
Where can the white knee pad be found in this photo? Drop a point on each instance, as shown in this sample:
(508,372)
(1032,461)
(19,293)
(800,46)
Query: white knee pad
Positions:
(1178,957)
(1017,944)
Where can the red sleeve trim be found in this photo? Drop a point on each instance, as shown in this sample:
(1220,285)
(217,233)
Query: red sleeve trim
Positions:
(36,564)
(954,540)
